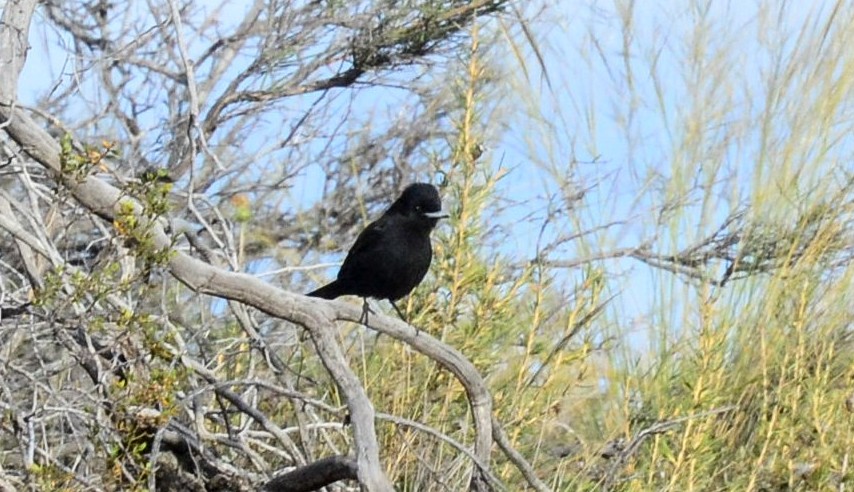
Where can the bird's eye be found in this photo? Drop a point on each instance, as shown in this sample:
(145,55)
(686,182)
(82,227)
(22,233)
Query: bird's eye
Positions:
(418,208)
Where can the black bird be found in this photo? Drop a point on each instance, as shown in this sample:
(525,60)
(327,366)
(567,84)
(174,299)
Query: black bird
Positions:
(392,255)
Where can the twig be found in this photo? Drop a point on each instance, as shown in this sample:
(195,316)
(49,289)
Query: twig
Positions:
(484,468)
(516,458)
(657,428)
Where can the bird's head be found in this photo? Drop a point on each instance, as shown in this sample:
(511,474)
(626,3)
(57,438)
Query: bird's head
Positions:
(420,201)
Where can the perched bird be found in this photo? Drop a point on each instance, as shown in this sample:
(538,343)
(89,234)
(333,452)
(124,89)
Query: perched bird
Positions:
(392,255)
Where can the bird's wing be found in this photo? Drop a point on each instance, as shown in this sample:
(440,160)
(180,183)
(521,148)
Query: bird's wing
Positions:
(369,239)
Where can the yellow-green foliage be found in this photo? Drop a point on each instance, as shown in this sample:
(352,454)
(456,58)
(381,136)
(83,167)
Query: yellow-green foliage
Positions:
(527,341)
(743,386)
(779,352)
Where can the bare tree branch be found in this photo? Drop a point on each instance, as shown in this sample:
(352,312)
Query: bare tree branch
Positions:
(98,227)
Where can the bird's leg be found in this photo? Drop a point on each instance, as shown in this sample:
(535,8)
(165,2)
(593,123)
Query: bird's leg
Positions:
(366,309)
(398,311)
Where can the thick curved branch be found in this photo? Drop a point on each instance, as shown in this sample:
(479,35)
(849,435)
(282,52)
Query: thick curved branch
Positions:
(319,474)
(316,316)
(448,357)
(104,200)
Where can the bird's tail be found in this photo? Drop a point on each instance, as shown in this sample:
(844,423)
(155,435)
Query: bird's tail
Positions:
(328,291)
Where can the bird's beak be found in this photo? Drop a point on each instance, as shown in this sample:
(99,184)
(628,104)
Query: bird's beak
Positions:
(441,214)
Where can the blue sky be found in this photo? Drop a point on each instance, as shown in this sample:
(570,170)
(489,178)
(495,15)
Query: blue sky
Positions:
(620,111)
(623,103)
